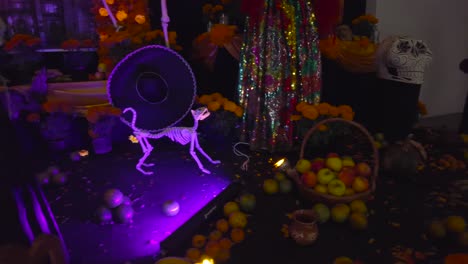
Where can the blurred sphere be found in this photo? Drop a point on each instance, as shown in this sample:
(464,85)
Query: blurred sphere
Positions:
(124,214)
(104,215)
(113,198)
(43,178)
(171,208)
(59,178)
(126,200)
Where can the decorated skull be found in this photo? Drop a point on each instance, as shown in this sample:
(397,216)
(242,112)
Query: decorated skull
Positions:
(403,59)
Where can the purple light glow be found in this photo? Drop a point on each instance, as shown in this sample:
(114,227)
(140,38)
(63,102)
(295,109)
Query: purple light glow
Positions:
(175,179)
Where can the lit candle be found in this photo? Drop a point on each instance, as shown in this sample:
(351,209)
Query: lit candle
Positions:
(165,21)
(111,15)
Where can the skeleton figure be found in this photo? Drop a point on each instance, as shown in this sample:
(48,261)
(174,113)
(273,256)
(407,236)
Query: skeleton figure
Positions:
(403,59)
(181,135)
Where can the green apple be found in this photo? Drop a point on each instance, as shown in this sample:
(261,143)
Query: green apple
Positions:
(247,202)
(334,163)
(279,176)
(322,211)
(348,162)
(437,229)
(340,213)
(336,187)
(303,165)
(285,186)
(325,175)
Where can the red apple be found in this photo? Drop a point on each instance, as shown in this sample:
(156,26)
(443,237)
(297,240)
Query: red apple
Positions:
(309,179)
(363,169)
(347,175)
(317,165)
(333,155)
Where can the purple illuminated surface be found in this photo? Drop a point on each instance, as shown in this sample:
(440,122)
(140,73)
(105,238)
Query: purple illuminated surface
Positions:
(176,178)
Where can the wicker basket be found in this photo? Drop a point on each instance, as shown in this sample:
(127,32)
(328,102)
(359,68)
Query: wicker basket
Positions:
(372,158)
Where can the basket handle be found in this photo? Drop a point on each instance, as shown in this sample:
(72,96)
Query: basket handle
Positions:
(362,129)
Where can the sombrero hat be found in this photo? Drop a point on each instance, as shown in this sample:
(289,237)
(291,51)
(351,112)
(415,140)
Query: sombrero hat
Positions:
(155,81)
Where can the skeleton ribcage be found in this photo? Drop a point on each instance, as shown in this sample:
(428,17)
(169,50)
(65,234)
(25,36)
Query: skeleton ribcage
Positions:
(182,135)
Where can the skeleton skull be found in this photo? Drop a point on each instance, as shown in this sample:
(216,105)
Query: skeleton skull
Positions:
(403,59)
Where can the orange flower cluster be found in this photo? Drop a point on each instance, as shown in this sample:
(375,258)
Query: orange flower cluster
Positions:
(313,112)
(22,41)
(211,10)
(366,18)
(72,44)
(57,107)
(222,34)
(94,114)
(216,101)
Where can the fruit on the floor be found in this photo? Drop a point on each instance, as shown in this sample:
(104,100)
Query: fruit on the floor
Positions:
(325,175)
(279,176)
(340,213)
(247,202)
(358,221)
(193,254)
(317,165)
(212,248)
(334,163)
(348,161)
(104,215)
(225,243)
(237,219)
(230,207)
(285,186)
(113,198)
(455,224)
(322,211)
(347,175)
(463,239)
(336,187)
(343,260)
(349,191)
(360,184)
(437,229)
(198,241)
(215,235)
(320,188)
(358,206)
(124,214)
(270,186)
(363,169)
(222,225)
(237,235)
(309,179)
(171,208)
(303,165)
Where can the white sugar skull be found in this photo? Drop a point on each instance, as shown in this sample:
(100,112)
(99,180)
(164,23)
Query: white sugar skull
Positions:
(403,59)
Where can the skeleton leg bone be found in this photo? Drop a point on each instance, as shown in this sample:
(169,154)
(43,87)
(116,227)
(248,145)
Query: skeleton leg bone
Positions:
(195,157)
(147,148)
(197,145)
(150,148)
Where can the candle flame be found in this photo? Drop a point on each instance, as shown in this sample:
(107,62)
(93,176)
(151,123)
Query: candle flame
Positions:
(279,163)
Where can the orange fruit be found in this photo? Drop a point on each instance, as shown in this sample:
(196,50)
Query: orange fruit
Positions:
(215,235)
(223,255)
(222,225)
(198,241)
(225,243)
(237,235)
(193,254)
(212,248)
(230,207)
(237,219)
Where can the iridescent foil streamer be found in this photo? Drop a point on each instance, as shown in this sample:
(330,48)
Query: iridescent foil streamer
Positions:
(279,67)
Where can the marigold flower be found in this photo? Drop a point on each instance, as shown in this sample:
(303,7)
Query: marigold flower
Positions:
(300,106)
(229,106)
(334,111)
(140,19)
(239,111)
(103,12)
(310,113)
(214,106)
(296,117)
(121,15)
(323,108)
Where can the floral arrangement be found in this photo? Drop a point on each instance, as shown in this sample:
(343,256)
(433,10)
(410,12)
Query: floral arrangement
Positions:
(365,25)
(74,44)
(218,35)
(308,115)
(226,113)
(133,32)
(213,9)
(101,120)
(21,42)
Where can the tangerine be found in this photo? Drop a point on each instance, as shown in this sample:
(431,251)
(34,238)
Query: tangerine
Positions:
(193,254)
(237,219)
(223,255)
(225,243)
(212,248)
(215,235)
(198,241)
(222,225)
(230,207)
(237,235)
